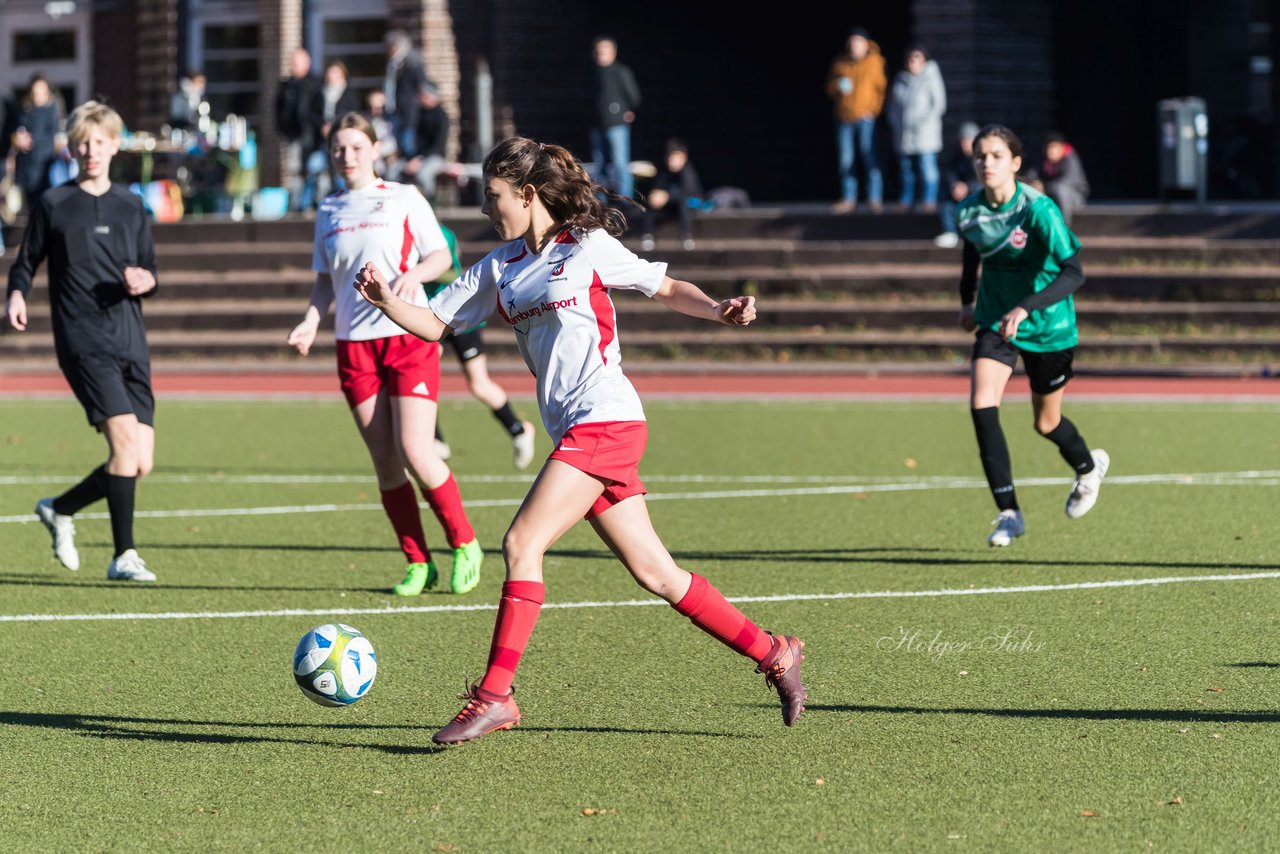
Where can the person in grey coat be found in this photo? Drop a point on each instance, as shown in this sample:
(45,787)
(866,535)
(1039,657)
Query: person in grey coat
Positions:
(916,106)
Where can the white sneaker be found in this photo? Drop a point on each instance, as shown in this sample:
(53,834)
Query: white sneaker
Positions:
(63,531)
(947,240)
(1008,527)
(523,445)
(129,567)
(688,244)
(647,243)
(1085,493)
(443,451)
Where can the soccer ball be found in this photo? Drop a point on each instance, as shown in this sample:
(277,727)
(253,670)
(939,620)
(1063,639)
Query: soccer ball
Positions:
(334,664)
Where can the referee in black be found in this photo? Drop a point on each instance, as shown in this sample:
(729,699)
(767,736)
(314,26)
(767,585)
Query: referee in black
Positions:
(102,263)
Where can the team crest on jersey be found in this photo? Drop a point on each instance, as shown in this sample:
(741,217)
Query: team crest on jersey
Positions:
(1018,240)
(558,268)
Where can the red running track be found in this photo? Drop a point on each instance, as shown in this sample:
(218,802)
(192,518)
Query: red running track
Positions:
(689,385)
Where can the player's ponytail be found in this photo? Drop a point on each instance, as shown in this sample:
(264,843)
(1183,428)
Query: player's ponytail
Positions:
(564,186)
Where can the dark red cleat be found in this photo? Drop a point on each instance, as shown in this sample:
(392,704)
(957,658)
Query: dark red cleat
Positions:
(479,717)
(781,671)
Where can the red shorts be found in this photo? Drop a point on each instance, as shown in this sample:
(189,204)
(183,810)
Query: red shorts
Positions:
(609,451)
(405,364)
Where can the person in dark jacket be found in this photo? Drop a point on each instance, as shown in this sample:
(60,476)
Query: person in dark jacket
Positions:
(405,80)
(1063,176)
(675,190)
(299,119)
(102,263)
(429,143)
(615,97)
(37,125)
(334,99)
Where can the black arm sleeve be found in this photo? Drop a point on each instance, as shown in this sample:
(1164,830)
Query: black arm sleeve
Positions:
(969,275)
(1067,283)
(147,252)
(34,247)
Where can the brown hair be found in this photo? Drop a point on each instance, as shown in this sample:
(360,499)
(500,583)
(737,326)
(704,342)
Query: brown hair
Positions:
(355,121)
(1000,132)
(563,185)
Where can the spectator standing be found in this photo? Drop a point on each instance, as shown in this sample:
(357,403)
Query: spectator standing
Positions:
(38,121)
(298,116)
(429,143)
(336,99)
(959,180)
(376,111)
(615,96)
(184,104)
(1063,176)
(856,85)
(405,80)
(916,107)
(676,188)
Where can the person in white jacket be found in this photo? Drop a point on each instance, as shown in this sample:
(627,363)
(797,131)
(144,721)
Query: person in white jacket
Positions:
(916,106)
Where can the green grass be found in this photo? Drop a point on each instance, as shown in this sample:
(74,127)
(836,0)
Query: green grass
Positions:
(1152,707)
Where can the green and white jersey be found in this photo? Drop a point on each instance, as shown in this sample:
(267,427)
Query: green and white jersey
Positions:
(1022,244)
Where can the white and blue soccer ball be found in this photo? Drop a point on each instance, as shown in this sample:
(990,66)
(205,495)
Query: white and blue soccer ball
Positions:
(334,664)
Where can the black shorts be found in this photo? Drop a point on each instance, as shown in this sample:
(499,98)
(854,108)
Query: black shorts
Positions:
(1047,372)
(106,386)
(467,345)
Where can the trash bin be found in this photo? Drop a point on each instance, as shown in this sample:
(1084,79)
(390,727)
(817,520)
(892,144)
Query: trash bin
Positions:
(1184,146)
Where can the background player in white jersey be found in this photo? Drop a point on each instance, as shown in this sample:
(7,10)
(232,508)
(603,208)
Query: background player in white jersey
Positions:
(1030,269)
(551,284)
(390,379)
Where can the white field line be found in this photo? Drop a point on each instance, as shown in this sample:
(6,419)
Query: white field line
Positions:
(628,603)
(866,485)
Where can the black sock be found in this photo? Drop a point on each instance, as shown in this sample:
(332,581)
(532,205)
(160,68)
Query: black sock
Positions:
(508,418)
(92,488)
(120,491)
(1071,445)
(995,456)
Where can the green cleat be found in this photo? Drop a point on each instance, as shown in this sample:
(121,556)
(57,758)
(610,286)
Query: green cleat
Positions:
(418,577)
(466,567)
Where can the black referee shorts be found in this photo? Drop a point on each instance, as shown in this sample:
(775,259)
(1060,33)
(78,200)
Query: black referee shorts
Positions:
(467,345)
(1047,372)
(107,385)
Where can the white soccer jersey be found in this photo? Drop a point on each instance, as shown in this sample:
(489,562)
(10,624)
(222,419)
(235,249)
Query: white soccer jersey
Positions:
(387,223)
(558,303)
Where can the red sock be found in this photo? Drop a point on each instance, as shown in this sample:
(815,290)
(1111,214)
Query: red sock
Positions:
(401,505)
(446,503)
(711,612)
(517,612)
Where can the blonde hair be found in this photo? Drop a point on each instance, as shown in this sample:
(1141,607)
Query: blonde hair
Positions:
(92,114)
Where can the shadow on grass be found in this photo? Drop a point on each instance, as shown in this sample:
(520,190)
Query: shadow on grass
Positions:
(1161,715)
(116,727)
(1258,664)
(64,580)
(127,728)
(614,730)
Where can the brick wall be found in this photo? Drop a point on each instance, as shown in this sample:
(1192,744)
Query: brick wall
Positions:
(135,59)
(280,32)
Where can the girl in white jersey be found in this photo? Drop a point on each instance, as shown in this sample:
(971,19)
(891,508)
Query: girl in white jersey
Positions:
(551,285)
(390,379)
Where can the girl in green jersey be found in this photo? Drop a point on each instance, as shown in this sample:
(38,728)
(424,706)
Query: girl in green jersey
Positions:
(1030,269)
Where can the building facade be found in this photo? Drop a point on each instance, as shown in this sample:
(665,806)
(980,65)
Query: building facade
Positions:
(745,92)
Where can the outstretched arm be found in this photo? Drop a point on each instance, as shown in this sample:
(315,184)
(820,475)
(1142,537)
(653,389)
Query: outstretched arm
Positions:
(414,319)
(304,334)
(688,298)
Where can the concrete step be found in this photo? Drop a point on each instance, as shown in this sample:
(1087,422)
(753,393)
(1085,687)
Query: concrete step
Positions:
(636,313)
(735,345)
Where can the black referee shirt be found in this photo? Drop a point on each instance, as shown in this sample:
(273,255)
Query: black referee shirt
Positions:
(89,240)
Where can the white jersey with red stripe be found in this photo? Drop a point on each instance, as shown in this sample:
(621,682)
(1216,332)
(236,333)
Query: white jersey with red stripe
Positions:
(387,223)
(557,302)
